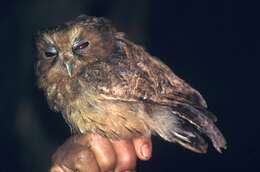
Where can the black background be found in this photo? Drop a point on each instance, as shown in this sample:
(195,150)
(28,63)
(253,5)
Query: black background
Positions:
(213,45)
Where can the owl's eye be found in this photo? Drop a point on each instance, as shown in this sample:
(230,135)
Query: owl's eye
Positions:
(51,52)
(80,45)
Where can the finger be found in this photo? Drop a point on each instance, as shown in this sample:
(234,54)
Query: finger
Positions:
(81,159)
(72,156)
(62,150)
(103,151)
(143,147)
(125,153)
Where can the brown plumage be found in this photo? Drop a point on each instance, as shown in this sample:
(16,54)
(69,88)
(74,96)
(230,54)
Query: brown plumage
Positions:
(103,83)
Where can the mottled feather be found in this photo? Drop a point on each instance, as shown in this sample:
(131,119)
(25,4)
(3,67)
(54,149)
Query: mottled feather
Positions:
(117,89)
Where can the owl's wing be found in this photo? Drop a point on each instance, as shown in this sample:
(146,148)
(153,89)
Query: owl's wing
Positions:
(180,112)
(137,75)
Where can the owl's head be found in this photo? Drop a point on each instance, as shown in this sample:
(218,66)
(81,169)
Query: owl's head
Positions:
(64,49)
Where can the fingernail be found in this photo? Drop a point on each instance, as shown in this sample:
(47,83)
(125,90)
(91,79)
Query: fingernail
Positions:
(56,168)
(145,151)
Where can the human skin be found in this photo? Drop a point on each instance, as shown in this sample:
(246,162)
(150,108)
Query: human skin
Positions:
(94,153)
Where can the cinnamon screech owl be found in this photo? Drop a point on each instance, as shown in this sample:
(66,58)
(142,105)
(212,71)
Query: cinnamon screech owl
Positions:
(103,83)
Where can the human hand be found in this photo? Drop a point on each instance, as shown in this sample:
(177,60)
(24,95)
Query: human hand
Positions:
(94,153)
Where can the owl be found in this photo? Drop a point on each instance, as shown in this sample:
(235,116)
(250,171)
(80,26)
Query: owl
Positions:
(105,84)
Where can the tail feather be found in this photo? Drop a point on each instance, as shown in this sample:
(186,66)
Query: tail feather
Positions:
(202,122)
(189,137)
(184,124)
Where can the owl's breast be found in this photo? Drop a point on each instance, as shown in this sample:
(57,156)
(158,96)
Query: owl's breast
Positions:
(113,119)
(76,101)
(61,93)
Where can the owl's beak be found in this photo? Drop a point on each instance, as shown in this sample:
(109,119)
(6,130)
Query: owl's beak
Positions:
(69,69)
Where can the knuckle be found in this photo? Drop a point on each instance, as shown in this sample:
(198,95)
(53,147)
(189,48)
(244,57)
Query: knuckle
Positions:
(83,156)
(126,162)
(107,163)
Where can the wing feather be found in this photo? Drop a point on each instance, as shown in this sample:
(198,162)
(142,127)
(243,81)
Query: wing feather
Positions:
(131,74)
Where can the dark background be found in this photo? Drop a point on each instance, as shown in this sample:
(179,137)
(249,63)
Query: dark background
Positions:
(213,45)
